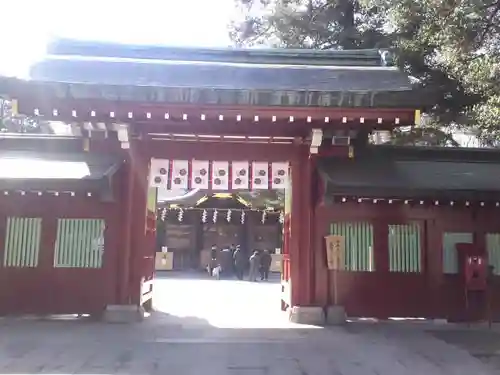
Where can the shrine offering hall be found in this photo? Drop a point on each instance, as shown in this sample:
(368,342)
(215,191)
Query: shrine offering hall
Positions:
(188,227)
(364,229)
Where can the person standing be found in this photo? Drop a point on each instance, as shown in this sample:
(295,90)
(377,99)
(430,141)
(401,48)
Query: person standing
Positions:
(233,250)
(254,266)
(239,263)
(226,262)
(213,252)
(213,260)
(265,265)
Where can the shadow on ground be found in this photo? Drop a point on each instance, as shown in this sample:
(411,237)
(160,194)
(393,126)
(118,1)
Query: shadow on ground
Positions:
(480,342)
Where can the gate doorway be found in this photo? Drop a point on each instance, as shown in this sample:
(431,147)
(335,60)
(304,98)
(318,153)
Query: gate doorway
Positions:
(190,226)
(226,213)
(220,303)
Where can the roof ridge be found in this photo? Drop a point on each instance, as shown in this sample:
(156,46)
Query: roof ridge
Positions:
(361,57)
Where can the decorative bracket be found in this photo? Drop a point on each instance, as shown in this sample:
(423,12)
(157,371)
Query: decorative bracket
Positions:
(316,140)
(123,135)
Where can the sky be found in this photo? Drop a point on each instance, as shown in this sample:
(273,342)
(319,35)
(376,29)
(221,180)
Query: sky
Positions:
(27,25)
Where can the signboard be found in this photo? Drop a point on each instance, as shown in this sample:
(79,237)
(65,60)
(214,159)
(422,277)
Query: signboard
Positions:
(164,261)
(152,199)
(335,252)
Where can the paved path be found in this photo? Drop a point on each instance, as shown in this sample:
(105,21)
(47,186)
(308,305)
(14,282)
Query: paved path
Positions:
(223,328)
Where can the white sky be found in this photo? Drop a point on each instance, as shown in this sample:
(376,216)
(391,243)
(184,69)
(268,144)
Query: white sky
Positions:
(27,25)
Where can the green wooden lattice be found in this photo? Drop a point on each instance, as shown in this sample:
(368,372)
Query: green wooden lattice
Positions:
(493,248)
(358,249)
(450,255)
(405,248)
(79,243)
(22,242)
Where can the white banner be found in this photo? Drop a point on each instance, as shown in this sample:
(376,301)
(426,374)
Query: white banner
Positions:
(180,174)
(241,170)
(199,174)
(158,173)
(260,175)
(220,175)
(279,175)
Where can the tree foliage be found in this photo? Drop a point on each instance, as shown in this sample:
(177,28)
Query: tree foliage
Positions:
(450,46)
(341,24)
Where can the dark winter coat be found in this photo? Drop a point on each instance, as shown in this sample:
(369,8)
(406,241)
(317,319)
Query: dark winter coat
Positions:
(265,261)
(239,259)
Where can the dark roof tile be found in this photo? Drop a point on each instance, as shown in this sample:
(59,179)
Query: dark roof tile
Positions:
(445,174)
(222,75)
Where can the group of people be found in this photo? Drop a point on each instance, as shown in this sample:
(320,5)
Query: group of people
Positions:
(233,261)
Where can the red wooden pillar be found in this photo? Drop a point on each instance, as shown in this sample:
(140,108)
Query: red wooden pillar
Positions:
(433,265)
(133,226)
(123,253)
(307,250)
(301,224)
(320,273)
(311,211)
(139,240)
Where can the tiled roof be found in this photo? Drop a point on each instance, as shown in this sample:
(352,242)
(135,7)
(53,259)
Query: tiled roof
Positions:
(394,172)
(39,171)
(242,69)
(366,57)
(219,75)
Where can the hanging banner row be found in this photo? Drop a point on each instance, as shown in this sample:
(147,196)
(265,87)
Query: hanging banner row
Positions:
(218,175)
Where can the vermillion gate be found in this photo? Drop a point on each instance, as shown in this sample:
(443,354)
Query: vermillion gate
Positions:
(89,238)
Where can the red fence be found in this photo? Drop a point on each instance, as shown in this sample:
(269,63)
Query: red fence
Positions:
(415,273)
(57,254)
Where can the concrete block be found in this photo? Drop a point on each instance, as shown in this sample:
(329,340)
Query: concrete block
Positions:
(335,315)
(310,315)
(123,314)
(440,321)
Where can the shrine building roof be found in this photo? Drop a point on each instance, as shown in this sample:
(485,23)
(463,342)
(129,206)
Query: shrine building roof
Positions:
(30,171)
(257,77)
(416,172)
(242,69)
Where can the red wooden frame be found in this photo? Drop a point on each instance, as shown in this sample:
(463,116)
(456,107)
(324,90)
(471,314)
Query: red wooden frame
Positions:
(130,266)
(100,110)
(383,294)
(46,289)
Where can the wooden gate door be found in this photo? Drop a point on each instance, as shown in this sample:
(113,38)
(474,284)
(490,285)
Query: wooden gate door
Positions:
(405,288)
(22,275)
(481,230)
(79,279)
(383,267)
(51,263)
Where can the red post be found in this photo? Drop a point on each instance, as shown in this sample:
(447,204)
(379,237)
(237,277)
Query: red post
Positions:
(301,225)
(139,241)
(307,215)
(124,255)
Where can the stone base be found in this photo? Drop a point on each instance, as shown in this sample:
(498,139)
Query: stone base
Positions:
(123,314)
(440,321)
(310,315)
(335,315)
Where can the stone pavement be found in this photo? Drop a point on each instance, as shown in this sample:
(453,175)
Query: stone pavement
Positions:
(224,328)
(481,341)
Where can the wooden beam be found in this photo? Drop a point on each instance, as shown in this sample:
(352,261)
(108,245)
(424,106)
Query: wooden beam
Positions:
(242,128)
(165,149)
(56,109)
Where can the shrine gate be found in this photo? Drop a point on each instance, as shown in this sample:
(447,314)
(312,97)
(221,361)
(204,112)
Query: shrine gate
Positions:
(228,120)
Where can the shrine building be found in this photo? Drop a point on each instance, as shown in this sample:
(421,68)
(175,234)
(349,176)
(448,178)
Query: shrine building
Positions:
(78,210)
